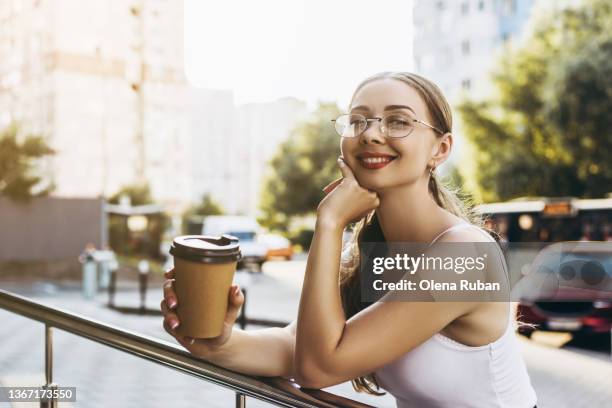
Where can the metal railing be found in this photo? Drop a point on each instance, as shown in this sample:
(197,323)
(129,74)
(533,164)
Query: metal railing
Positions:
(143,283)
(277,391)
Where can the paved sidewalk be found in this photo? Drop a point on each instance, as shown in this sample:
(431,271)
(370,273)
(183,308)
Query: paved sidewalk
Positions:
(563,375)
(105,377)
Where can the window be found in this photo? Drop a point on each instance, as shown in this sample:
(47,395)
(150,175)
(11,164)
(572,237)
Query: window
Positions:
(465,7)
(465,47)
(440,5)
(481,5)
(509,6)
(466,84)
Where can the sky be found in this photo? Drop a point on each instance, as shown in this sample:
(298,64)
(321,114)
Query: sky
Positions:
(314,50)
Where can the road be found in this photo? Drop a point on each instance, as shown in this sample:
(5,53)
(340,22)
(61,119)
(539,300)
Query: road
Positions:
(564,373)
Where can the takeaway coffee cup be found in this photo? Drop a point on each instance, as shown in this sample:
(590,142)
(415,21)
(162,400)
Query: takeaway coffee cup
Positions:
(204,268)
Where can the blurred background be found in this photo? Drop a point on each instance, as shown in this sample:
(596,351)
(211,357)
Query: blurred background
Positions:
(125,123)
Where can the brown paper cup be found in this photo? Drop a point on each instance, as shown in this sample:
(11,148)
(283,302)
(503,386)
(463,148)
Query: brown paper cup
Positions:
(202,290)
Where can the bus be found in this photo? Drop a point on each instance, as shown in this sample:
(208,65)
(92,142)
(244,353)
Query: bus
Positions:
(568,307)
(543,219)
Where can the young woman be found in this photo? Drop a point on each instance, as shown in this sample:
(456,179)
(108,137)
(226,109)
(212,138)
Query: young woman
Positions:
(427,354)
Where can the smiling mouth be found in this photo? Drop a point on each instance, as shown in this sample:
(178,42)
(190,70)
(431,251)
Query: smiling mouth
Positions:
(374,163)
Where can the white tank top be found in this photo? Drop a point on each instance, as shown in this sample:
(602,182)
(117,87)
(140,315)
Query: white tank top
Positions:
(444,373)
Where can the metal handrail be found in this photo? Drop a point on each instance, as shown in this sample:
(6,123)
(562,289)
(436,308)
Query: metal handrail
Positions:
(275,390)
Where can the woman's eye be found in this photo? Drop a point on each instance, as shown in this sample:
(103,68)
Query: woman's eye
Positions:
(398,122)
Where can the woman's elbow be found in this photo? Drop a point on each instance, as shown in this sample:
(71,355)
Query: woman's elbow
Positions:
(309,381)
(313,371)
(311,376)
(306,374)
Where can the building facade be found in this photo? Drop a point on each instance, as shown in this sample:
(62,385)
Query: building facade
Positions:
(232,145)
(103,82)
(456,42)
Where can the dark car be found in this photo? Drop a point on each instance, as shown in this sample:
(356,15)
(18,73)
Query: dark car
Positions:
(569,289)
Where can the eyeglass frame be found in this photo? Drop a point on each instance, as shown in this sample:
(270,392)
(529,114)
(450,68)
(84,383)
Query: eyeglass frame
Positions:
(368,120)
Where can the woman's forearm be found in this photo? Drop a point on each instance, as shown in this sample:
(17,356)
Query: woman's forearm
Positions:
(265,352)
(321,317)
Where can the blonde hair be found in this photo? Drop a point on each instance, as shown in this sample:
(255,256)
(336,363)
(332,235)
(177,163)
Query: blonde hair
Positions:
(368,226)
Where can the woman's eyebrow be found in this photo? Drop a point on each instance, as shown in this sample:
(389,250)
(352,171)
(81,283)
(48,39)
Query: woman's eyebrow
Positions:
(387,108)
(394,107)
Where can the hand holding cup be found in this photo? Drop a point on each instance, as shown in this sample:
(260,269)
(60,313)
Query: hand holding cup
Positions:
(196,346)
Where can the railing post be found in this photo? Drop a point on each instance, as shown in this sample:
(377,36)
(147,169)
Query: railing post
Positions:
(112,288)
(240,400)
(50,403)
(143,277)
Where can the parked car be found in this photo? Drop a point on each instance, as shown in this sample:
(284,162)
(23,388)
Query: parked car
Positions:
(569,289)
(246,229)
(278,246)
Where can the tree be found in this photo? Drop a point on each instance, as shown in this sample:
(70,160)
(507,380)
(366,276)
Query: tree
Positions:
(583,95)
(18,177)
(546,131)
(206,206)
(302,166)
(139,194)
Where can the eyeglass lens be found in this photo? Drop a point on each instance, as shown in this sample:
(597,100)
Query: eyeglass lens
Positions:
(392,125)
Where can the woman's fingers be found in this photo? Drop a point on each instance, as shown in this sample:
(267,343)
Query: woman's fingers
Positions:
(167,329)
(170,327)
(171,331)
(169,316)
(169,274)
(170,324)
(345,169)
(236,299)
(171,320)
(328,188)
(185,341)
(169,295)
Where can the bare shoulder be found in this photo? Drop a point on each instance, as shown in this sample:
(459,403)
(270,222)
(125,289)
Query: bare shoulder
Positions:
(485,321)
(466,233)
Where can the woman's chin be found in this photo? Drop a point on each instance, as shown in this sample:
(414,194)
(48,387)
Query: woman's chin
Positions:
(372,185)
(377,185)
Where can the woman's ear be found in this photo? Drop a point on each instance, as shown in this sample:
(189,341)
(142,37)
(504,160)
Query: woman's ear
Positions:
(442,148)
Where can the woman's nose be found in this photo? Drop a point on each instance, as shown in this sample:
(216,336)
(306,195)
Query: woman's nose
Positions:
(372,134)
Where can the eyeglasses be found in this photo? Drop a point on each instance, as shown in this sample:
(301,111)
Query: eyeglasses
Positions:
(393,125)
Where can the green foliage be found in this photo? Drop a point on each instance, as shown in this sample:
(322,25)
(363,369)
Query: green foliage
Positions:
(584,103)
(303,165)
(139,194)
(192,218)
(18,177)
(302,237)
(547,130)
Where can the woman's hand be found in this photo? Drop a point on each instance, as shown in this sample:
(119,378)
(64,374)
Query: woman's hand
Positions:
(346,201)
(199,347)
